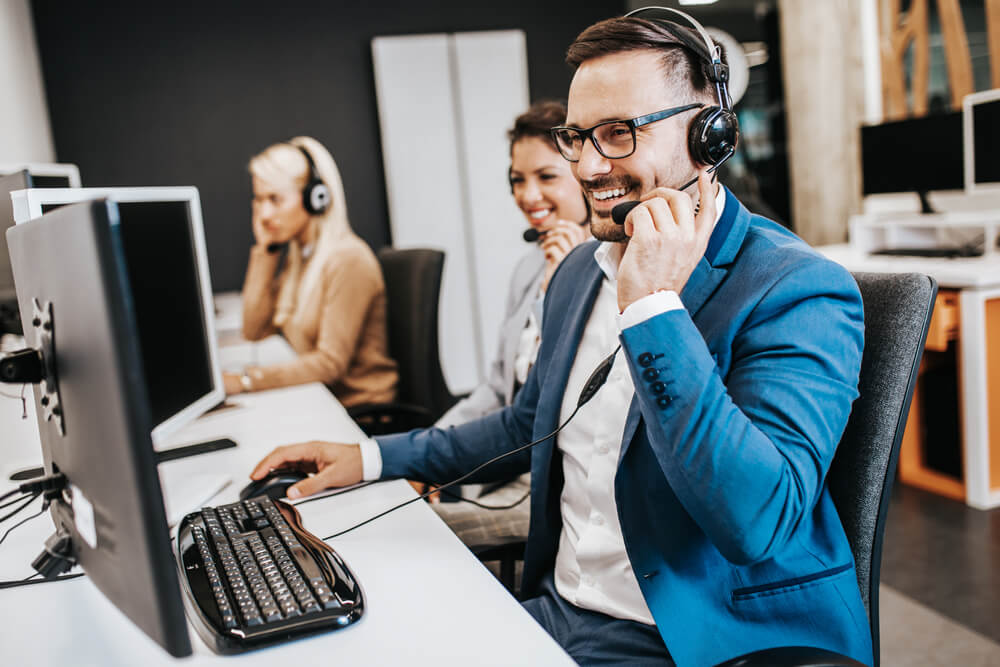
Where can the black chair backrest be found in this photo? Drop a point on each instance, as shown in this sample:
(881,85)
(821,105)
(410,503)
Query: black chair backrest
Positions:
(413,286)
(897,314)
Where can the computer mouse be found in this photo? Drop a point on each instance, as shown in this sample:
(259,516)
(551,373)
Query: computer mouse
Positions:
(274,484)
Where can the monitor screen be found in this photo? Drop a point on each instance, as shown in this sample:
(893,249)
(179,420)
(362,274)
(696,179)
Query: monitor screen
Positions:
(111,510)
(52,182)
(46,174)
(913,155)
(986,142)
(162,268)
(8,184)
(163,247)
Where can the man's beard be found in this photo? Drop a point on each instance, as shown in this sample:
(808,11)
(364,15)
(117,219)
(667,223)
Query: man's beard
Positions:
(602,226)
(605,229)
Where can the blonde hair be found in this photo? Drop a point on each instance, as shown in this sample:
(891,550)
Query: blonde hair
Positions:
(283,164)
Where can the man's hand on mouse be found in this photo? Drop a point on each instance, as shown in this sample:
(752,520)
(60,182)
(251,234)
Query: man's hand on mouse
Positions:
(334,464)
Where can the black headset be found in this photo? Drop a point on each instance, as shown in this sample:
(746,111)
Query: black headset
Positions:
(715,131)
(315,194)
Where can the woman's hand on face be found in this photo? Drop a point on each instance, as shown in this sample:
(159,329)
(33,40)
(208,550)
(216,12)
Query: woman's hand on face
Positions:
(261,234)
(558,243)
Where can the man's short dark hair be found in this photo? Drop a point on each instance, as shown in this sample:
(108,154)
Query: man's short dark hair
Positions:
(684,56)
(540,117)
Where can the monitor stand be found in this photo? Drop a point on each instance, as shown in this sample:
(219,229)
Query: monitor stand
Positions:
(925,203)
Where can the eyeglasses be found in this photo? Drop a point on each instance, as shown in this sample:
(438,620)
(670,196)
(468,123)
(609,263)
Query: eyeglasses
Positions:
(613,139)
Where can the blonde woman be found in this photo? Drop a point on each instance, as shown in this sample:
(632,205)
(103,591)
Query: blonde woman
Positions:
(328,297)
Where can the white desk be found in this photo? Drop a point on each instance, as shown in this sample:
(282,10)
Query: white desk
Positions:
(429,601)
(978,282)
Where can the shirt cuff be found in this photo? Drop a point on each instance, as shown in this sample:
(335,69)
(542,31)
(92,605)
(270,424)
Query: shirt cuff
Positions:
(649,306)
(371,460)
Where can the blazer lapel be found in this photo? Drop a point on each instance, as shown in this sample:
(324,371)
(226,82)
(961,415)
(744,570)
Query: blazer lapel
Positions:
(567,327)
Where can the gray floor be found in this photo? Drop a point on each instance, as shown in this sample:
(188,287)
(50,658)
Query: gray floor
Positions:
(946,556)
(914,635)
(940,582)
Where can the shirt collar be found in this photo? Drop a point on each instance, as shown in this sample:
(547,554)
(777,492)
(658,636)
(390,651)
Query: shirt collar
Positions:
(608,255)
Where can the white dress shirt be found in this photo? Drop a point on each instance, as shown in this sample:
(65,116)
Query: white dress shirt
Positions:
(592,569)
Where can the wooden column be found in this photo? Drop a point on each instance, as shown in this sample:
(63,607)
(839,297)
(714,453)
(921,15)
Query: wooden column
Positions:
(956,51)
(824,96)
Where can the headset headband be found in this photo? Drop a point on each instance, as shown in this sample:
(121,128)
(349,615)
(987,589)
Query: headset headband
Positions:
(720,71)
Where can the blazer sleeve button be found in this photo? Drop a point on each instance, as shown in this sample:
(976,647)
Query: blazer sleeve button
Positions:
(663,402)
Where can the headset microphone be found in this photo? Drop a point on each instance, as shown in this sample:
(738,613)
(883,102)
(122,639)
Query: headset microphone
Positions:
(531,235)
(621,211)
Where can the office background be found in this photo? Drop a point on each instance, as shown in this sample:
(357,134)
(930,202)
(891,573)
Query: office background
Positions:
(204,86)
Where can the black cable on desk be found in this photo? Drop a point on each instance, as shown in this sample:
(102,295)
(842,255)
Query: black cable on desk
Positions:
(19,507)
(340,492)
(455,481)
(463,499)
(14,501)
(20,523)
(590,388)
(31,580)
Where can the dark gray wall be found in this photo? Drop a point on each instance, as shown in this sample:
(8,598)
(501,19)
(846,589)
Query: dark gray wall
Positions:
(183,93)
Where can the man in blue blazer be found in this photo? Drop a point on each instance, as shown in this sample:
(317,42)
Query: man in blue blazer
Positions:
(681,516)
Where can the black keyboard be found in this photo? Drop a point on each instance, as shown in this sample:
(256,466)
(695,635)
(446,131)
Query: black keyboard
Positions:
(253,576)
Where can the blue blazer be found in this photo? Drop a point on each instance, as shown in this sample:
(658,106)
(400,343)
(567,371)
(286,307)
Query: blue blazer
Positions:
(741,399)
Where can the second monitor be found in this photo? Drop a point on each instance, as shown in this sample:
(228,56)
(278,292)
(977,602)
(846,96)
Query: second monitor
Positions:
(167,265)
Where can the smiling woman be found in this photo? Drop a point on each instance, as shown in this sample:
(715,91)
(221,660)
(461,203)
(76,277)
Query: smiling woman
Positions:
(328,300)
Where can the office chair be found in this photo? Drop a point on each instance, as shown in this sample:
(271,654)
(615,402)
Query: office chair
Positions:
(897,314)
(413,285)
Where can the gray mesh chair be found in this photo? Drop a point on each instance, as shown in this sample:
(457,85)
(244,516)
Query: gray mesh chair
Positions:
(897,314)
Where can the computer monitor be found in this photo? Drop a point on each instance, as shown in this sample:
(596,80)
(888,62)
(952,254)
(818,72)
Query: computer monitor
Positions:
(913,155)
(46,174)
(981,124)
(9,183)
(164,245)
(72,265)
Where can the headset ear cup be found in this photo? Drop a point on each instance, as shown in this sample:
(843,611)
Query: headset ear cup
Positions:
(315,197)
(713,136)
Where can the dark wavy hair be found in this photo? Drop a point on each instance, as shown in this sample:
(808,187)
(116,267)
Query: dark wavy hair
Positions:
(685,60)
(540,117)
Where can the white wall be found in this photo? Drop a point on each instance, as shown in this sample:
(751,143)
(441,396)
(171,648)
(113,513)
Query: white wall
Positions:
(25,133)
(445,103)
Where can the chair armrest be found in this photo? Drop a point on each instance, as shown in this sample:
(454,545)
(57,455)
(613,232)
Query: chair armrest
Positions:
(385,418)
(792,656)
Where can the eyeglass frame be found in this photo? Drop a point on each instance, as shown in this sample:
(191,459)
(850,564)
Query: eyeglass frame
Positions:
(632,124)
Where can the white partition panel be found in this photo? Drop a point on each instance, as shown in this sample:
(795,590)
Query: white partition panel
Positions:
(420,152)
(492,74)
(445,103)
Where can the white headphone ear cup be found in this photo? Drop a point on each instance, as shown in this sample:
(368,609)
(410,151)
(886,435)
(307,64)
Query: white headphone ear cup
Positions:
(319,198)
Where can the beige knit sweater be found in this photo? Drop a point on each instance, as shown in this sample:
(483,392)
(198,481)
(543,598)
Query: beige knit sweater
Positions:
(339,331)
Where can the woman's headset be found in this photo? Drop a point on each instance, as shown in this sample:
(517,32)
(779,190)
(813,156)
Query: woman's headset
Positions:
(315,194)
(715,131)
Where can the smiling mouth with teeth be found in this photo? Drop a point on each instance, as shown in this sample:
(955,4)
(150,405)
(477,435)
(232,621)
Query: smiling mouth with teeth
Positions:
(540,215)
(614,193)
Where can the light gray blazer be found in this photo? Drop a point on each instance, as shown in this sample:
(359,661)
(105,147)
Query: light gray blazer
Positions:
(498,389)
